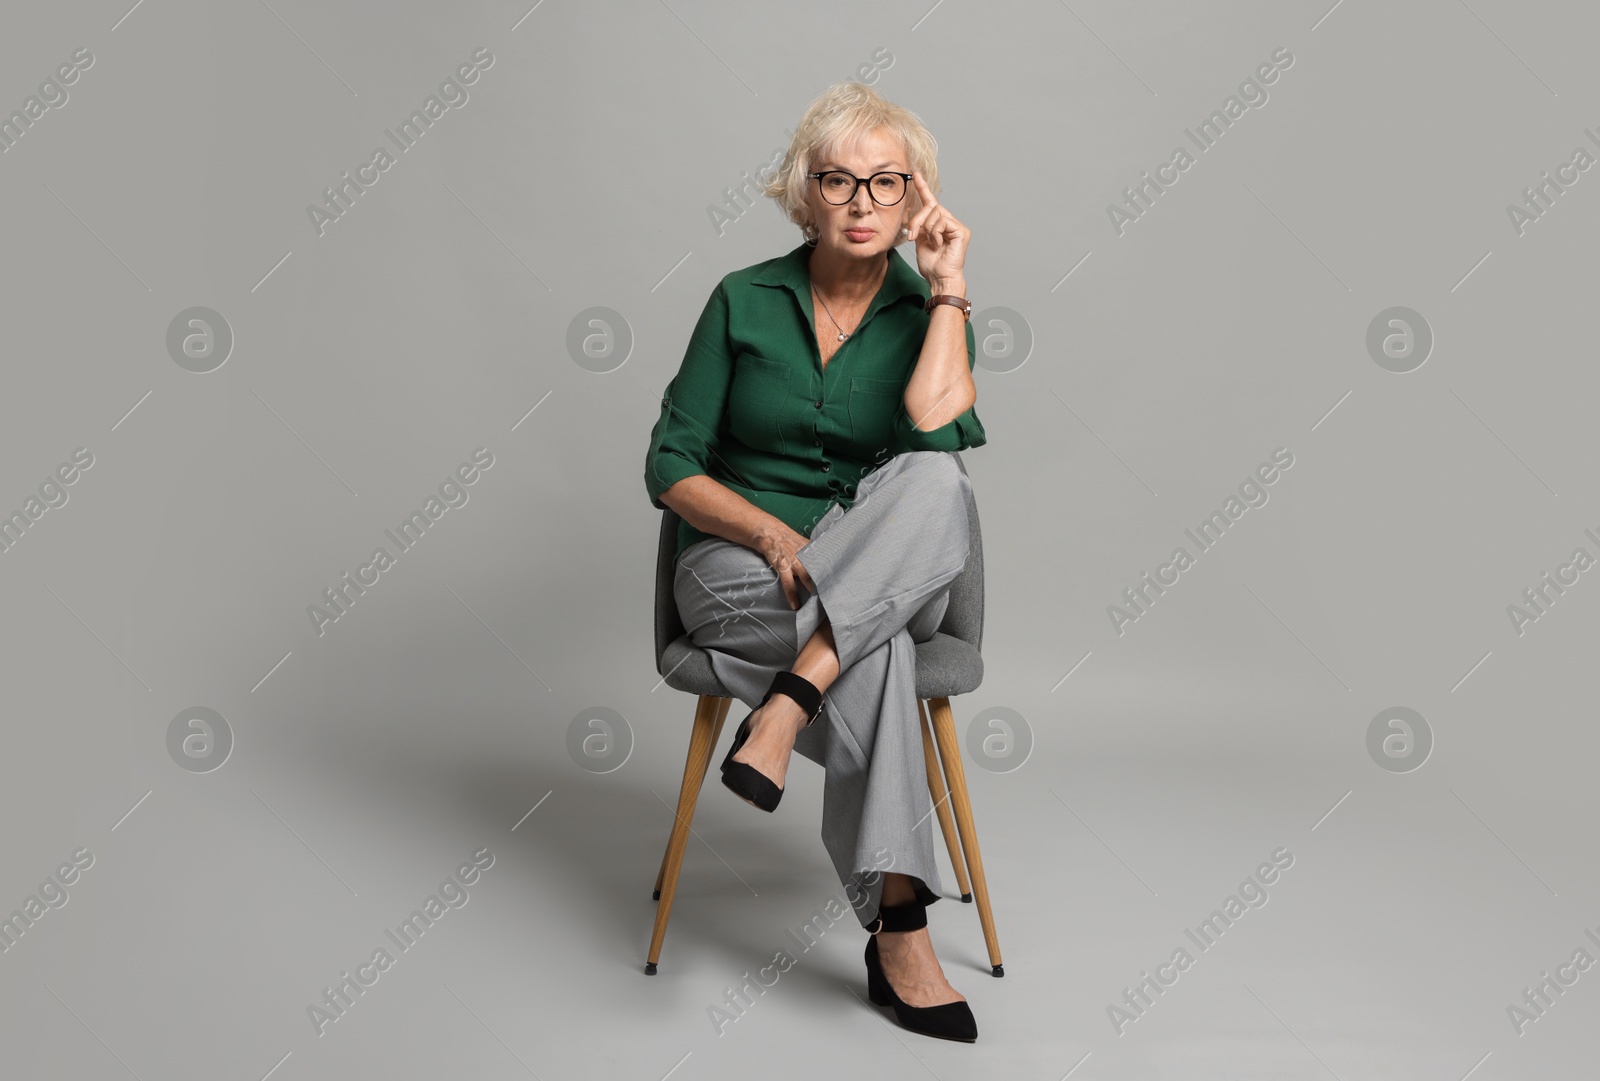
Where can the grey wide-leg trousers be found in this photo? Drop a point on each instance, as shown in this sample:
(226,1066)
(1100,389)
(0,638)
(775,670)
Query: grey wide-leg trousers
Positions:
(882,571)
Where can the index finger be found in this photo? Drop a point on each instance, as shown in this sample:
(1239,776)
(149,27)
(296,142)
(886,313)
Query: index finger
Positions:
(923,190)
(803,576)
(790,593)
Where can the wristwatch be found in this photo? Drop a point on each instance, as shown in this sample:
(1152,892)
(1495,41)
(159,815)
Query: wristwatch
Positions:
(947,298)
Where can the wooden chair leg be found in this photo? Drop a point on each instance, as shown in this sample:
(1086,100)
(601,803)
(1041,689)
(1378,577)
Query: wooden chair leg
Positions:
(722,713)
(941,804)
(708,717)
(944,732)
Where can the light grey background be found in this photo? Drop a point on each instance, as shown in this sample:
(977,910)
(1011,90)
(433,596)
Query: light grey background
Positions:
(1168,362)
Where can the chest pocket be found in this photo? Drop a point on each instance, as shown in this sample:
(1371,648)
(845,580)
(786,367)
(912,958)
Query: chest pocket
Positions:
(757,401)
(873,405)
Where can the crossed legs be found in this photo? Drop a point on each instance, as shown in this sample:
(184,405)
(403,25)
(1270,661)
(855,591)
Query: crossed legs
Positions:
(907,956)
(778,721)
(921,568)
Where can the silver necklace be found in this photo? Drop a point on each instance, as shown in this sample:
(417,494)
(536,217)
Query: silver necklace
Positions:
(843,334)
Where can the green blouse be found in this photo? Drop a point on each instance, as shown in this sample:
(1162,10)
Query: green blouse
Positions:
(753,407)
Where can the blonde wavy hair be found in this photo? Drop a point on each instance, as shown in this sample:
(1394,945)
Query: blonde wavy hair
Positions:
(839,115)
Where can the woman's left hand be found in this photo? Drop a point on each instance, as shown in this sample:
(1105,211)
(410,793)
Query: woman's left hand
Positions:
(941,239)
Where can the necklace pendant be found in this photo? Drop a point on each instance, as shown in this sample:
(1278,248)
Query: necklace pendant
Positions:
(843,335)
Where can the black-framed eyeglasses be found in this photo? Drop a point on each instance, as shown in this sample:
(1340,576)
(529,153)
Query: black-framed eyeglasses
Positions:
(839,187)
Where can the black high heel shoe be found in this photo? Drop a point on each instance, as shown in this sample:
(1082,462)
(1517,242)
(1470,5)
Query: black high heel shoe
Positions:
(743,779)
(947,1020)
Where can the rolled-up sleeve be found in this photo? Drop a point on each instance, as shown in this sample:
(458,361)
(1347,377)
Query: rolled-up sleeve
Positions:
(686,434)
(962,433)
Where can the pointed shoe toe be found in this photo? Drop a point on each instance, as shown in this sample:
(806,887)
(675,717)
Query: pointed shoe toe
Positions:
(946,1021)
(743,779)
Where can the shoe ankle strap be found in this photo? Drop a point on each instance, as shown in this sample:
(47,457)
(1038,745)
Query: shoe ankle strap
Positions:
(910,916)
(801,689)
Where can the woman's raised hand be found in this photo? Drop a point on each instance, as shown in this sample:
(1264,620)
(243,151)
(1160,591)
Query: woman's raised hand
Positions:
(941,239)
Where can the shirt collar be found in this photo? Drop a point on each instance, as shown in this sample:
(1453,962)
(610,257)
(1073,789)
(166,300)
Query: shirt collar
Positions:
(789,271)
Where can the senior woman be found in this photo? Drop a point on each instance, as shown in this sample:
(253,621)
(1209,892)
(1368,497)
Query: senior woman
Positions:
(805,443)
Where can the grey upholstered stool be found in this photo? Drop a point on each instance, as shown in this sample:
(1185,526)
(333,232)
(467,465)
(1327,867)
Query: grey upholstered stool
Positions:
(949,663)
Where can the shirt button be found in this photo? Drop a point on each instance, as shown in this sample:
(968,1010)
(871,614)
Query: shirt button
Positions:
(819,403)
(816,442)
(826,466)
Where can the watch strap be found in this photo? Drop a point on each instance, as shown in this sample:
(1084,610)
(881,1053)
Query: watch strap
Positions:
(949,298)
